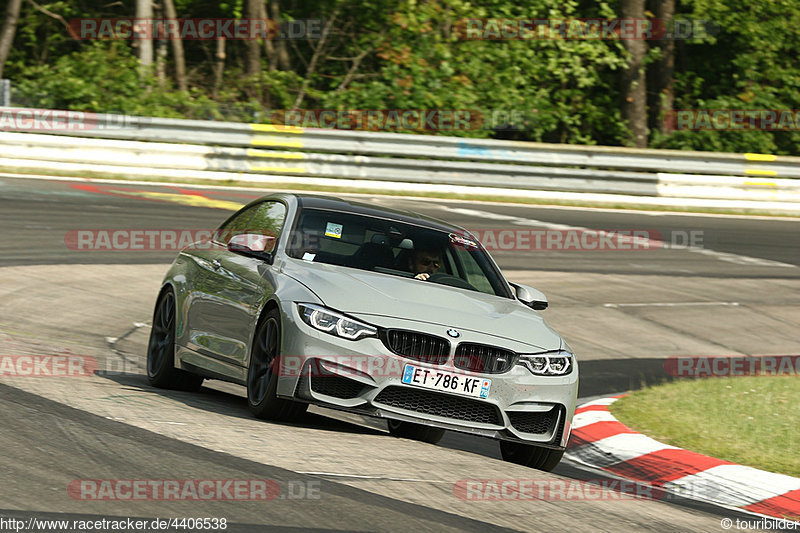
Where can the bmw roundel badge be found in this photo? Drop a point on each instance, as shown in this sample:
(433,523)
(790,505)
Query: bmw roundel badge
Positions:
(453,333)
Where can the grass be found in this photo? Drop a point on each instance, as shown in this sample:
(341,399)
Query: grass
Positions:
(753,421)
(365,190)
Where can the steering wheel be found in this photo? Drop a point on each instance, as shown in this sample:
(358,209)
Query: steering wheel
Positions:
(453,281)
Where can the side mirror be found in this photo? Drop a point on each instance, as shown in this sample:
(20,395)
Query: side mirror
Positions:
(252,244)
(533,298)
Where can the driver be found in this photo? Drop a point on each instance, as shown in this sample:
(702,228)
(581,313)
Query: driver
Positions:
(424,262)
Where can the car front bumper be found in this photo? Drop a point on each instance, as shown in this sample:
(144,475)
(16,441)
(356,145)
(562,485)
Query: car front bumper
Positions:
(365,377)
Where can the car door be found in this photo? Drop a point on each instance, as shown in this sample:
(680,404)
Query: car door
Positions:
(234,287)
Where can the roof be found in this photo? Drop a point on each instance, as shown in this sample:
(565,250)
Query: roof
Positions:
(331,203)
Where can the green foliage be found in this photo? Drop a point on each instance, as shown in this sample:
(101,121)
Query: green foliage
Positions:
(555,90)
(104,77)
(410,54)
(751,64)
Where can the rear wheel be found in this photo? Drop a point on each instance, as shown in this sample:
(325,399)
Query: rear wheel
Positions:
(262,374)
(409,430)
(529,455)
(161,371)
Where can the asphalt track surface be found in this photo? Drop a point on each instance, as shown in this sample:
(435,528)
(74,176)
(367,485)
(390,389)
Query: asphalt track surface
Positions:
(671,301)
(36,215)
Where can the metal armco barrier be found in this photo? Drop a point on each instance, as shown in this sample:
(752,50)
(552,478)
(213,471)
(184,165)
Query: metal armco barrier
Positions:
(192,149)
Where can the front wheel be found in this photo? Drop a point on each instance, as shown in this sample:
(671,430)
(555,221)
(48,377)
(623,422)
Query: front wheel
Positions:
(262,374)
(530,455)
(161,371)
(409,430)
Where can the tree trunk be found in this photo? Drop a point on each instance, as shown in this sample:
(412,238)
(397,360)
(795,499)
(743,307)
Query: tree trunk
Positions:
(664,69)
(219,67)
(8,31)
(280,44)
(253,11)
(161,63)
(161,53)
(312,65)
(269,46)
(144,10)
(634,88)
(177,49)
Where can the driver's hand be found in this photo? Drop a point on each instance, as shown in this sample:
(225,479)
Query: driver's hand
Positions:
(423,276)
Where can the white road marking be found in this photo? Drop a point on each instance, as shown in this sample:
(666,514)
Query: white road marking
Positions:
(601,401)
(735,258)
(617,449)
(673,304)
(358,476)
(735,485)
(590,417)
(531,222)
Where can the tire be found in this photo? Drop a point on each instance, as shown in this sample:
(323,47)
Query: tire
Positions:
(409,430)
(529,455)
(262,377)
(161,371)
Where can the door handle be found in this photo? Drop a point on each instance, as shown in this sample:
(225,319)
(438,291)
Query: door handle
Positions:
(216,265)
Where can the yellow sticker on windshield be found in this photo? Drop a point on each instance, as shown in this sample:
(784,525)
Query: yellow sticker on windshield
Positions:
(333,230)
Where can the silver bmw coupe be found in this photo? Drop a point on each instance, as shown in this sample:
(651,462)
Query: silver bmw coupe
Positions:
(316,300)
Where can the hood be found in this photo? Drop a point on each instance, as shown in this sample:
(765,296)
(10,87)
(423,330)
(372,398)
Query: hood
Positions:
(360,292)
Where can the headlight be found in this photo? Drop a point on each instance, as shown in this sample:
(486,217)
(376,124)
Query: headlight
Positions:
(335,323)
(555,363)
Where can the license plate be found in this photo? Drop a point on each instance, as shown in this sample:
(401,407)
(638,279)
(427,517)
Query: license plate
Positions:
(429,378)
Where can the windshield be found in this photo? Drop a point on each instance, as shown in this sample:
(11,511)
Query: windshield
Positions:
(395,248)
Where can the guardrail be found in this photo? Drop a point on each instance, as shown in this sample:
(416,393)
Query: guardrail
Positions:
(142,146)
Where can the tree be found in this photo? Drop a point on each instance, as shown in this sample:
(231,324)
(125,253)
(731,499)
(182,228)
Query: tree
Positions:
(144,11)
(410,54)
(8,31)
(284,63)
(177,49)
(660,75)
(254,10)
(633,86)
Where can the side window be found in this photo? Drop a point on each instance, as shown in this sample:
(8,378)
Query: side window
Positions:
(266,218)
(450,262)
(475,275)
